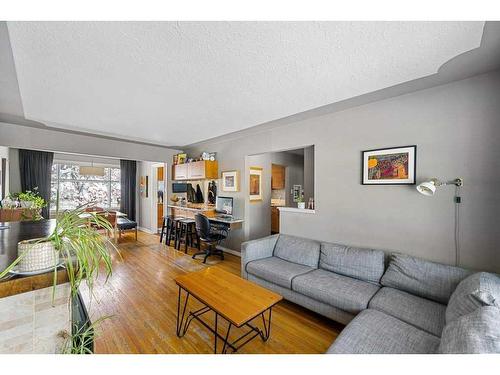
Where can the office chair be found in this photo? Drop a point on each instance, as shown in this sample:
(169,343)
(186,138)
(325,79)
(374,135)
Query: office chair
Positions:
(208,236)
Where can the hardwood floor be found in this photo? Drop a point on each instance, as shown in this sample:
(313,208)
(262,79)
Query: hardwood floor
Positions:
(141,298)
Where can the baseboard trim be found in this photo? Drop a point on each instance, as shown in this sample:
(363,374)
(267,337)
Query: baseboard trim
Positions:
(142,229)
(229,251)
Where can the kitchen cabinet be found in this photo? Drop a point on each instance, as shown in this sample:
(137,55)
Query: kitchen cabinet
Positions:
(278,177)
(180,172)
(198,170)
(275,220)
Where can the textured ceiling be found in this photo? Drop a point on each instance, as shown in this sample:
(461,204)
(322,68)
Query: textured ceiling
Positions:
(176,83)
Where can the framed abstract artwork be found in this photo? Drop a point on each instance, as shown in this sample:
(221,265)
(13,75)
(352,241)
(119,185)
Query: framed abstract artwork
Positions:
(144,186)
(389,166)
(255,181)
(230,181)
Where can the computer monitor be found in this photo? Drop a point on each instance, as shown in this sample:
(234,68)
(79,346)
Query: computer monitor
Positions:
(224,205)
(178,187)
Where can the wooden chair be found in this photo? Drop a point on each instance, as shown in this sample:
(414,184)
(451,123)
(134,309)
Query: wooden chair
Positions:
(110,216)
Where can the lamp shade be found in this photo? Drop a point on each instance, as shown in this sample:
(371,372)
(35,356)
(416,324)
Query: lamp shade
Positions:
(427,188)
(92,171)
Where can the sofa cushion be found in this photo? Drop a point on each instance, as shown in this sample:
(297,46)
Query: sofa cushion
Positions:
(476,332)
(363,264)
(343,292)
(423,278)
(417,311)
(477,290)
(297,250)
(276,270)
(373,332)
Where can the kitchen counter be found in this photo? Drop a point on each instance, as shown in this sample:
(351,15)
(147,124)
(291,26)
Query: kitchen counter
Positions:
(18,231)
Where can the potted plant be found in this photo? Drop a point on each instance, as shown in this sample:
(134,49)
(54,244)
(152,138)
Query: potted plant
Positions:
(29,202)
(33,203)
(300,202)
(31,199)
(79,247)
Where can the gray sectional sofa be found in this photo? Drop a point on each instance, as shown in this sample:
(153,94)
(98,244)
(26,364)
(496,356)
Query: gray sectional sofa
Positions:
(390,303)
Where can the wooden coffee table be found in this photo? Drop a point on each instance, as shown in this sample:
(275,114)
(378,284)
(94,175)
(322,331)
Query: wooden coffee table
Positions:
(236,300)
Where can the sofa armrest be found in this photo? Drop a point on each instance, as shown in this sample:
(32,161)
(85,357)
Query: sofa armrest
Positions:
(256,249)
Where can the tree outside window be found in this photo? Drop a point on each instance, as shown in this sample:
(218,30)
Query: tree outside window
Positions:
(75,189)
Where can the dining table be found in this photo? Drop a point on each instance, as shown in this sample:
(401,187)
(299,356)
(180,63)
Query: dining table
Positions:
(115,226)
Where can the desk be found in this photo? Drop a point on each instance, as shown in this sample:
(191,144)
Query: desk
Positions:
(229,223)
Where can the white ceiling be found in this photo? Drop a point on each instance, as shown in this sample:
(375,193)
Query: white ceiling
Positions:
(176,83)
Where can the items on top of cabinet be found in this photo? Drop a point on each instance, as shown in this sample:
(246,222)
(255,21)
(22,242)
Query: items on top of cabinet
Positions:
(182,158)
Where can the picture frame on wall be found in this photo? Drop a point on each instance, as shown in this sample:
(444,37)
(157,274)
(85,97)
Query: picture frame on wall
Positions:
(389,166)
(3,174)
(230,181)
(255,184)
(144,186)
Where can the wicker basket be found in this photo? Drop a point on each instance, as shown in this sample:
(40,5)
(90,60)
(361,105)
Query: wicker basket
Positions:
(39,255)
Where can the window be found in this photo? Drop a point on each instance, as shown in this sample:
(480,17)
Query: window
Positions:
(75,189)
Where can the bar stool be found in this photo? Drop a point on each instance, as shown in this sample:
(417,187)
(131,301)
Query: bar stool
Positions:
(185,234)
(163,228)
(170,228)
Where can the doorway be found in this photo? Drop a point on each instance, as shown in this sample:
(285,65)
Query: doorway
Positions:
(159,195)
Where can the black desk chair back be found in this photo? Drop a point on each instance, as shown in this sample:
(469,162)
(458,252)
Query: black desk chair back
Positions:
(207,236)
(202,226)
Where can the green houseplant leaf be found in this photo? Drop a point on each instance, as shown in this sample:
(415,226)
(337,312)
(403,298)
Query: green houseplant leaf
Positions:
(84,251)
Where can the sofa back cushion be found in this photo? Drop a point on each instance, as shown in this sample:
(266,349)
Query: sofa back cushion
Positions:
(297,250)
(477,290)
(426,279)
(359,263)
(476,332)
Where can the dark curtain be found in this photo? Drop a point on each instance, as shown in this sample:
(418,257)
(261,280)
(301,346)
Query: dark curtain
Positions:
(35,168)
(128,187)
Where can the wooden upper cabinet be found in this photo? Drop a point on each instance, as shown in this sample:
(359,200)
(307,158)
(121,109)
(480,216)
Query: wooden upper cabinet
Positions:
(159,174)
(278,177)
(180,172)
(198,170)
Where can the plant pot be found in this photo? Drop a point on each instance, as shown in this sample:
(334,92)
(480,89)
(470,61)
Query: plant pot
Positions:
(26,204)
(301,205)
(38,254)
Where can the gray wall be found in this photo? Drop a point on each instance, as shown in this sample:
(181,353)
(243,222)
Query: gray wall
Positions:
(143,204)
(14,173)
(457,131)
(17,136)
(259,213)
(49,140)
(4,154)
